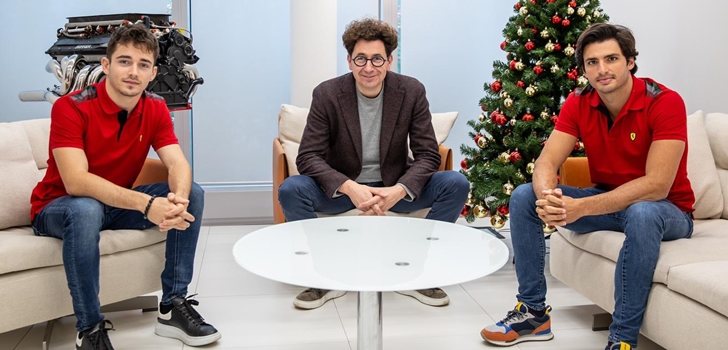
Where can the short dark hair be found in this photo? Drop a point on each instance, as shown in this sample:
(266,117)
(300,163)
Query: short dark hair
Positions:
(370,29)
(136,34)
(600,32)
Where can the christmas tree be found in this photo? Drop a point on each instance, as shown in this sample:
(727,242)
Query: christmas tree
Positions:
(523,100)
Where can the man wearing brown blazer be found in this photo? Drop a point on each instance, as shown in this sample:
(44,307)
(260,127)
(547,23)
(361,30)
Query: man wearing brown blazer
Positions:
(354,151)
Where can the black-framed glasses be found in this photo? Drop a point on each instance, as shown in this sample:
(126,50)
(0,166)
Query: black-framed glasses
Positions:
(377,61)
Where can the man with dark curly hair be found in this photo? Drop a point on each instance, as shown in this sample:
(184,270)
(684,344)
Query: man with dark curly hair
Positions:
(354,149)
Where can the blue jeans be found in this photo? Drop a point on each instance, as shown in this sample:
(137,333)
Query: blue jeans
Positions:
(445,194)
(78,222)
(645,225)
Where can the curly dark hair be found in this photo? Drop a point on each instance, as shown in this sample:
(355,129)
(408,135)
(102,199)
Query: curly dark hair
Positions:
(136,34)
(370,29)
(600,32)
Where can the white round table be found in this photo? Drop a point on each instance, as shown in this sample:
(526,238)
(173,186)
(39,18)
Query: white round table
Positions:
(370,255)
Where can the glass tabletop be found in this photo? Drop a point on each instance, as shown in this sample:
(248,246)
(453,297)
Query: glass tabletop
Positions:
(370,253)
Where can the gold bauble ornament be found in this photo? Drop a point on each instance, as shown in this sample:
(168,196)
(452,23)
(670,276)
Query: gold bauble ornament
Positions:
(570,11)
(530,167)
(508,102)
(581,11)
(504,158)
(597,14)
(504,94)
(479,211)
(531,90)
(482,117)
(555,69)
(520,176)
(582,81)
(569,50)
(520,65)
(508,188)
(519,31)
(545,34)
(549,46)
(545,114)
(523,11)
(497,222)
(482,142)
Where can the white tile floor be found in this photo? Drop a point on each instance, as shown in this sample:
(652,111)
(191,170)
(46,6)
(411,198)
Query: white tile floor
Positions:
(257,314)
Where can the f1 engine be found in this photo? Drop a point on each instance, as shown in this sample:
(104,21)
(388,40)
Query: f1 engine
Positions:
(83,41)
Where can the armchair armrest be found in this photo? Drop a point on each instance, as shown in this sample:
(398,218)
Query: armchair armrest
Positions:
(153,171)
(575,172)
(445,158)
(280,173)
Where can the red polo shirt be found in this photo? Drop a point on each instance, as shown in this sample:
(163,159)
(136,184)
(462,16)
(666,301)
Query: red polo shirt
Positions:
(88,119)
(617,151)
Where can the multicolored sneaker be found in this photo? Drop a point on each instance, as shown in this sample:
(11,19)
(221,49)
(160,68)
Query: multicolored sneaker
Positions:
(619,346)
(520,324)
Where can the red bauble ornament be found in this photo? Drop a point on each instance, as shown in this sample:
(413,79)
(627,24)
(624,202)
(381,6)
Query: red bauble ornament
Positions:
(538,70)
(503,210)
(512,65)
(557,47)
(577,146)
(477,136)
(529,45)
(496,86)
(464,164)
(554,118)
(521,84)
(573,75)
(565,22)
(556,19)
(572,4)
(501,119)
(514,156)
(517,6)
(465,211)
(503,45)
(551,1)
(528,117)
(532,2)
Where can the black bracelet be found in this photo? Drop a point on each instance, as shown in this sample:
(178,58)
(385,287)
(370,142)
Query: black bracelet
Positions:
(149,205)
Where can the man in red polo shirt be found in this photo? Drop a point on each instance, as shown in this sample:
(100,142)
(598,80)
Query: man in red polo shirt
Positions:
(635,136)
(99,139)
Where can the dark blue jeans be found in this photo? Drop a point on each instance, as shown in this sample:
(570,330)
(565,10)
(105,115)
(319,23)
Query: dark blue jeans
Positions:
(645,225)
(78,221)
(445,194)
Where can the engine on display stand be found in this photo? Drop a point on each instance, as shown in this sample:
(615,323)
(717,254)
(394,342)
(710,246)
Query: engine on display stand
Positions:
(82,42)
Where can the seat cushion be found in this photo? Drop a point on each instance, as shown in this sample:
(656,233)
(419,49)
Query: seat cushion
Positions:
(292,120)
(18,175)
(21,250)
(703,282)
(716,125)
(708,243)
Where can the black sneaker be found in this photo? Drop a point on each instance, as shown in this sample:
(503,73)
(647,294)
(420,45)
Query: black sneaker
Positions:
(184,323)
(95,338)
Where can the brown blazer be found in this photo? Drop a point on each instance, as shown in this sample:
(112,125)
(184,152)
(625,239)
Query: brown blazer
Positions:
(331,146)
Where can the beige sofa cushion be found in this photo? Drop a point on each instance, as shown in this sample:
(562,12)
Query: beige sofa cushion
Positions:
(22,250)
(701,170)
(716,125)
(709,242)
(38,131)
(18,175)
(703,282)
(292,120)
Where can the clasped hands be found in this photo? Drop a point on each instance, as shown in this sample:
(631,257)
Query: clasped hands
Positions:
(373,200)
(555,209)
(170,212)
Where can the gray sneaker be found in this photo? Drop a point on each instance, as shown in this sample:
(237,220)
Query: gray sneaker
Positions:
(313,298)
(432,296)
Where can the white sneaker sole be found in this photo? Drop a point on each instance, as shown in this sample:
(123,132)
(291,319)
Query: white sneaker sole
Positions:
(424,298)
(314,304)
(166,331)
(521,339)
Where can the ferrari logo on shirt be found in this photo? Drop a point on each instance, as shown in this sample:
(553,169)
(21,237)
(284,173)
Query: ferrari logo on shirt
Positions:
(632,136)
